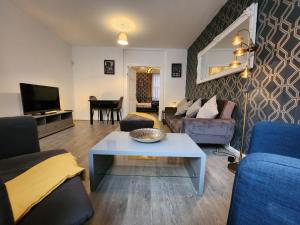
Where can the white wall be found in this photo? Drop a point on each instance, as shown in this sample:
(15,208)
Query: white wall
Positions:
(30,53)
(174,87)
(89,78)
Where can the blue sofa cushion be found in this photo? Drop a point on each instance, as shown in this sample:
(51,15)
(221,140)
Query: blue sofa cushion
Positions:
(276,138)
(266,191)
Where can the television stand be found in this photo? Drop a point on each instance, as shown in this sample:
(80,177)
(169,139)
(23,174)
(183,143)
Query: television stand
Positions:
(54,122)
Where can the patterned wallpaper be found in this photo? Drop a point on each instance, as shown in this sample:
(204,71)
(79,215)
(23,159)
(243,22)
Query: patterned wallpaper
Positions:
(144,87)
(275,83)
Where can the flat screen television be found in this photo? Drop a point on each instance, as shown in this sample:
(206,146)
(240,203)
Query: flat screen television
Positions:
(39,99)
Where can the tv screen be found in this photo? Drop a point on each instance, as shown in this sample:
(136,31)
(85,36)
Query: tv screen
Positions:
(39,99)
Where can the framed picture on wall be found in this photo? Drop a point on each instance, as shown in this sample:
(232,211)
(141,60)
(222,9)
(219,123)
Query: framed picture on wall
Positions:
(176,69)
(109,67)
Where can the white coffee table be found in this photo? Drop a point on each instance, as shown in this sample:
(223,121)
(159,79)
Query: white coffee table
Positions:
(121,144)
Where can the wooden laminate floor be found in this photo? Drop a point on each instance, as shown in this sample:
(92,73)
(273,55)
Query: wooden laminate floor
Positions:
(146,199)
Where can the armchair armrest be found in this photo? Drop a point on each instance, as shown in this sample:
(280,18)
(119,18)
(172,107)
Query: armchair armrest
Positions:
(276,138)
(209,131)
(18,136)
(6,216)
(266,191)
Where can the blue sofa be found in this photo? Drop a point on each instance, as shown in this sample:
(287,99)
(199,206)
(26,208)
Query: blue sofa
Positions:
(267,184)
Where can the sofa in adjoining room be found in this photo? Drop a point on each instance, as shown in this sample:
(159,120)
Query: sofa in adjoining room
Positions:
(219,130)
(19,151)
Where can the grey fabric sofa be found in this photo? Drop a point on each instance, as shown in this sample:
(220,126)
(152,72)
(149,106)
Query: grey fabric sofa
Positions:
(205,131)
(19,151)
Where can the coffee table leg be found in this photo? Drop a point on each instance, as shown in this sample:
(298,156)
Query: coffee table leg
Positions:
(196,170)
(98,165)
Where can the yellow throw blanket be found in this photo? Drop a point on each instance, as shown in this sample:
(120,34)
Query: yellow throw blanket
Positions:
(32,186)
(147,116)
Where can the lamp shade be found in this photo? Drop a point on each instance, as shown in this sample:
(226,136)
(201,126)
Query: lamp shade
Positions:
(122,38)
(235,63)
(246,73)
(237,39)
(240,52)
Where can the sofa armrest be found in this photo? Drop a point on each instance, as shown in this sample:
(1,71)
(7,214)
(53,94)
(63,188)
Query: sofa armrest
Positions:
(170,110)
(276,138)
(18,136)
(6,216)
(266,191)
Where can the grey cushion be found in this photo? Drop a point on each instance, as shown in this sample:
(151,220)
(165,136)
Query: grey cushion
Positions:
(209,110)
(181,109)
(194,108)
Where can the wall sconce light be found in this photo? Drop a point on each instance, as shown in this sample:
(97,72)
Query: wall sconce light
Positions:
(245,48)
(246,73)
(240,51)
(237,40)
(235,63)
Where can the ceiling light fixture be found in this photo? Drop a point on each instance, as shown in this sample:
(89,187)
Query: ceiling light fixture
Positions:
(122,38)
(149,70)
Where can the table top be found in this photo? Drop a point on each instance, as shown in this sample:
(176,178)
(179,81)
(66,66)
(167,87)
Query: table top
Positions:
(174,145)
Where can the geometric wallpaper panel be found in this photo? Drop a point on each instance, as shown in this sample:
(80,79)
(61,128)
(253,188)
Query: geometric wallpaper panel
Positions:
(144,87)
(275,83)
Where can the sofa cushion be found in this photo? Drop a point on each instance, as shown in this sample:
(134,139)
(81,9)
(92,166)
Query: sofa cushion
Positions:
(183,108)
(14,166)
(227,110)
(182,102)
(68,204)
(209,110)
(193,109)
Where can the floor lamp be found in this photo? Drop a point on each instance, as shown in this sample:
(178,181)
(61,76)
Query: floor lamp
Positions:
(243,49)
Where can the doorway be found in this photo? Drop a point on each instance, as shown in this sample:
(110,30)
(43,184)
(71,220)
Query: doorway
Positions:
(144,89)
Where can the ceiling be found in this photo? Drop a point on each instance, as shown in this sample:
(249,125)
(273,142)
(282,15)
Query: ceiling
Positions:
(149,23)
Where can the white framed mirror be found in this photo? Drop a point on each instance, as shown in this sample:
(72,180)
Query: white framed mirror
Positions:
(214,60)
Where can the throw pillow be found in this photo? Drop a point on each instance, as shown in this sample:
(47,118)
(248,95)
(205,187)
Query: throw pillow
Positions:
(183,108)
(209,110)
(193,110)
(182,102)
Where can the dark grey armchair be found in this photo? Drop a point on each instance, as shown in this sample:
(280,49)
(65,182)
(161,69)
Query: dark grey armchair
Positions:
(19,151)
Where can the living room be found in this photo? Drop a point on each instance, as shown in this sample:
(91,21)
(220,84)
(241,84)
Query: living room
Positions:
(225,125)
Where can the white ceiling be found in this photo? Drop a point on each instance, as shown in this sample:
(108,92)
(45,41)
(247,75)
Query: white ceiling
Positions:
(149,23)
